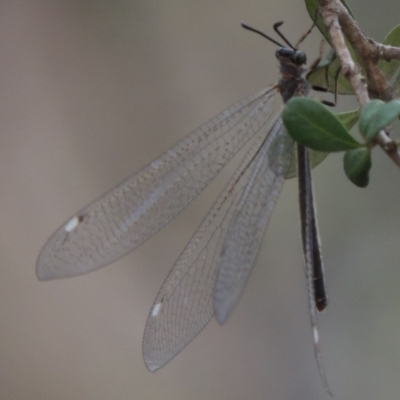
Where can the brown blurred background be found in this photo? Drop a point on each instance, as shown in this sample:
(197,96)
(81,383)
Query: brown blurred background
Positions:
(93,90)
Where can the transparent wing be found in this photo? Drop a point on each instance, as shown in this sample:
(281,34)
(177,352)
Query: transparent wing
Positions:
(184,306)
(249,223)
(128,215)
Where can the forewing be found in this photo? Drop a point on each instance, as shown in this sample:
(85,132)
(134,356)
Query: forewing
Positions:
(249,223)
(184,304)
(132,212)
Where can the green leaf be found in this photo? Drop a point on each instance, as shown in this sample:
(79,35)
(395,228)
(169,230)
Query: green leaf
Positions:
(314,126)
(391,69)
(348,118)
(316,158)
(324,76)
(377,115)
(357,164)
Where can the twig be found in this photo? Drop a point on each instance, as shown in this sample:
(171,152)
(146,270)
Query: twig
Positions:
(387,53)
(341,25)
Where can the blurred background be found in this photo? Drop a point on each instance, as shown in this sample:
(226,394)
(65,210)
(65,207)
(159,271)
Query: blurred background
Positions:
(91,91)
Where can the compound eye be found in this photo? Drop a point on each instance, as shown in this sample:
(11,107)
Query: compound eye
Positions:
(299,58)
(285,52)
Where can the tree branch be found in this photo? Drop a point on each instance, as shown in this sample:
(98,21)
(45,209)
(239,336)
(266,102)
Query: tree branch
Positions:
(342,26)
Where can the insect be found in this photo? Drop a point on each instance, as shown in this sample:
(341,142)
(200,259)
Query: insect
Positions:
(210,274)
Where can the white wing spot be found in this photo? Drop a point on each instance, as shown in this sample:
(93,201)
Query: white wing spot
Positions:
(316,335)
(72,224)
(156,310)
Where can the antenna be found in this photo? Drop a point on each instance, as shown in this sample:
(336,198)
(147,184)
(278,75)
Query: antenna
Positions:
(276,29)
(249,28)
